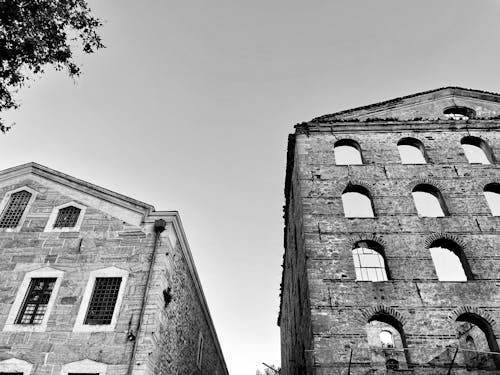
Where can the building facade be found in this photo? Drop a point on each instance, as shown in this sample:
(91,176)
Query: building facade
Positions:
(392,238)
(96,283)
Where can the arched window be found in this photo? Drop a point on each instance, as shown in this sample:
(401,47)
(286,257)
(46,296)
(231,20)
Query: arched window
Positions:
(476,150)
(492,195)
(369,262)
(476,339)
(459,113)
(347,152)
(411,151)
(386,333)
(357,202)
(428,201)
(449,261)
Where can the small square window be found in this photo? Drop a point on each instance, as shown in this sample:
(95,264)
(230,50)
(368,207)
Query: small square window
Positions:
(103,301)
(36,301)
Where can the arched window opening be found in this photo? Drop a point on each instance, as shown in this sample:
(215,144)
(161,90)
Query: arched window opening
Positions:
(449,261)
(357,202)
(475,340)
(387,342)
(476,150)
(492,195)
(411,151)
(369,262)
(428,201)
(347,152)
(459,113)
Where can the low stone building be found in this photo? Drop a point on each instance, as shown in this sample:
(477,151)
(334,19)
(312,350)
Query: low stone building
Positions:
(96,283)
(392,239)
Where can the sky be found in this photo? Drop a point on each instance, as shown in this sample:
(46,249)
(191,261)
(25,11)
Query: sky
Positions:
(189,107)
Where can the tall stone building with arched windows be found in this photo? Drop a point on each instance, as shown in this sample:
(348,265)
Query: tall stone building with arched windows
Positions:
(392,238)
(96,283)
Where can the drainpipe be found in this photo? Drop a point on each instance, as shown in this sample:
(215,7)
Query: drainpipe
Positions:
(159,227)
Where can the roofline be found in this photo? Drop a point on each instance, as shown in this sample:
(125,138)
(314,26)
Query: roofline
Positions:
(453,90)
(75,183)
(174,218)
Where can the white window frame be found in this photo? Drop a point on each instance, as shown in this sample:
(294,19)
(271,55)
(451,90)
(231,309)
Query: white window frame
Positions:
(84,367)
(46,272)
(6,200)
(87,295)
(16,365)
(49,227)
(199,352)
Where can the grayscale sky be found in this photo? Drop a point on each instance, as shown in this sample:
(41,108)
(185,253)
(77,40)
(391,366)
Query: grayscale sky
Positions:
(189,107)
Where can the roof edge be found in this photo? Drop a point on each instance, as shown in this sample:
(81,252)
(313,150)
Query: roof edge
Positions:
(452,89)
(77,184)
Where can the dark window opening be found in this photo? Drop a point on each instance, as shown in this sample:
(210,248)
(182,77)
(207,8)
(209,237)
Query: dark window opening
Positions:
(67,217)
(459,113)
(102,303)
(13,213)
(36,301)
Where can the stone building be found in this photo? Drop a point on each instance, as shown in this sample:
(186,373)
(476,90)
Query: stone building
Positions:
(392,238)
(95,283)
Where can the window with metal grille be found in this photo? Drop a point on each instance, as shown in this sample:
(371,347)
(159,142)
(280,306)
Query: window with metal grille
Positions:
(35,304)
(67,217)
(103,301)
(369,264)
(11,215)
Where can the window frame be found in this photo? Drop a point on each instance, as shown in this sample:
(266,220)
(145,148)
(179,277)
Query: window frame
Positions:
(434,191)
(80,325)
(458,251)
(479,143)
(6,200)
(359,189)
(46,272)
(412,142)
(350,143)
(375,247)
(16,365)
(49,227)
(494,188)
(84,366)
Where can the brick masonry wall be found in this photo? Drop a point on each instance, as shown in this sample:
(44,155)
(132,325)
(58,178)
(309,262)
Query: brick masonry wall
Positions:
(169,339)
(340,305)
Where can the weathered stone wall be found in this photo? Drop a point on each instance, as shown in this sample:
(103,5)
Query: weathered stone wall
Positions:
(168,341)
(426,308)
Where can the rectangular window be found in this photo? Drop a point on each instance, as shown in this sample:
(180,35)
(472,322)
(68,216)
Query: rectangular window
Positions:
(103,301)
(67,217)
(35,303)
(13,212)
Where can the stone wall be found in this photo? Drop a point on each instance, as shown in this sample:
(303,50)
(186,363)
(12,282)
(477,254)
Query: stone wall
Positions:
(168,341)
(426,308)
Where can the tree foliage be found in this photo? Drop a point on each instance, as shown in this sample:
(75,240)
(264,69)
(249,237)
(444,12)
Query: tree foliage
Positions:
(35,34)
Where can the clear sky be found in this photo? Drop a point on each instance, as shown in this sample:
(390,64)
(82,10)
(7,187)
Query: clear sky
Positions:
(189,107)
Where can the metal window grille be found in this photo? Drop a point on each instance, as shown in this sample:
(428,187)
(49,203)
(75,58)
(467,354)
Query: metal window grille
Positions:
(11,215)
(67,217)
(369,265)
(36,301)
(102,303)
